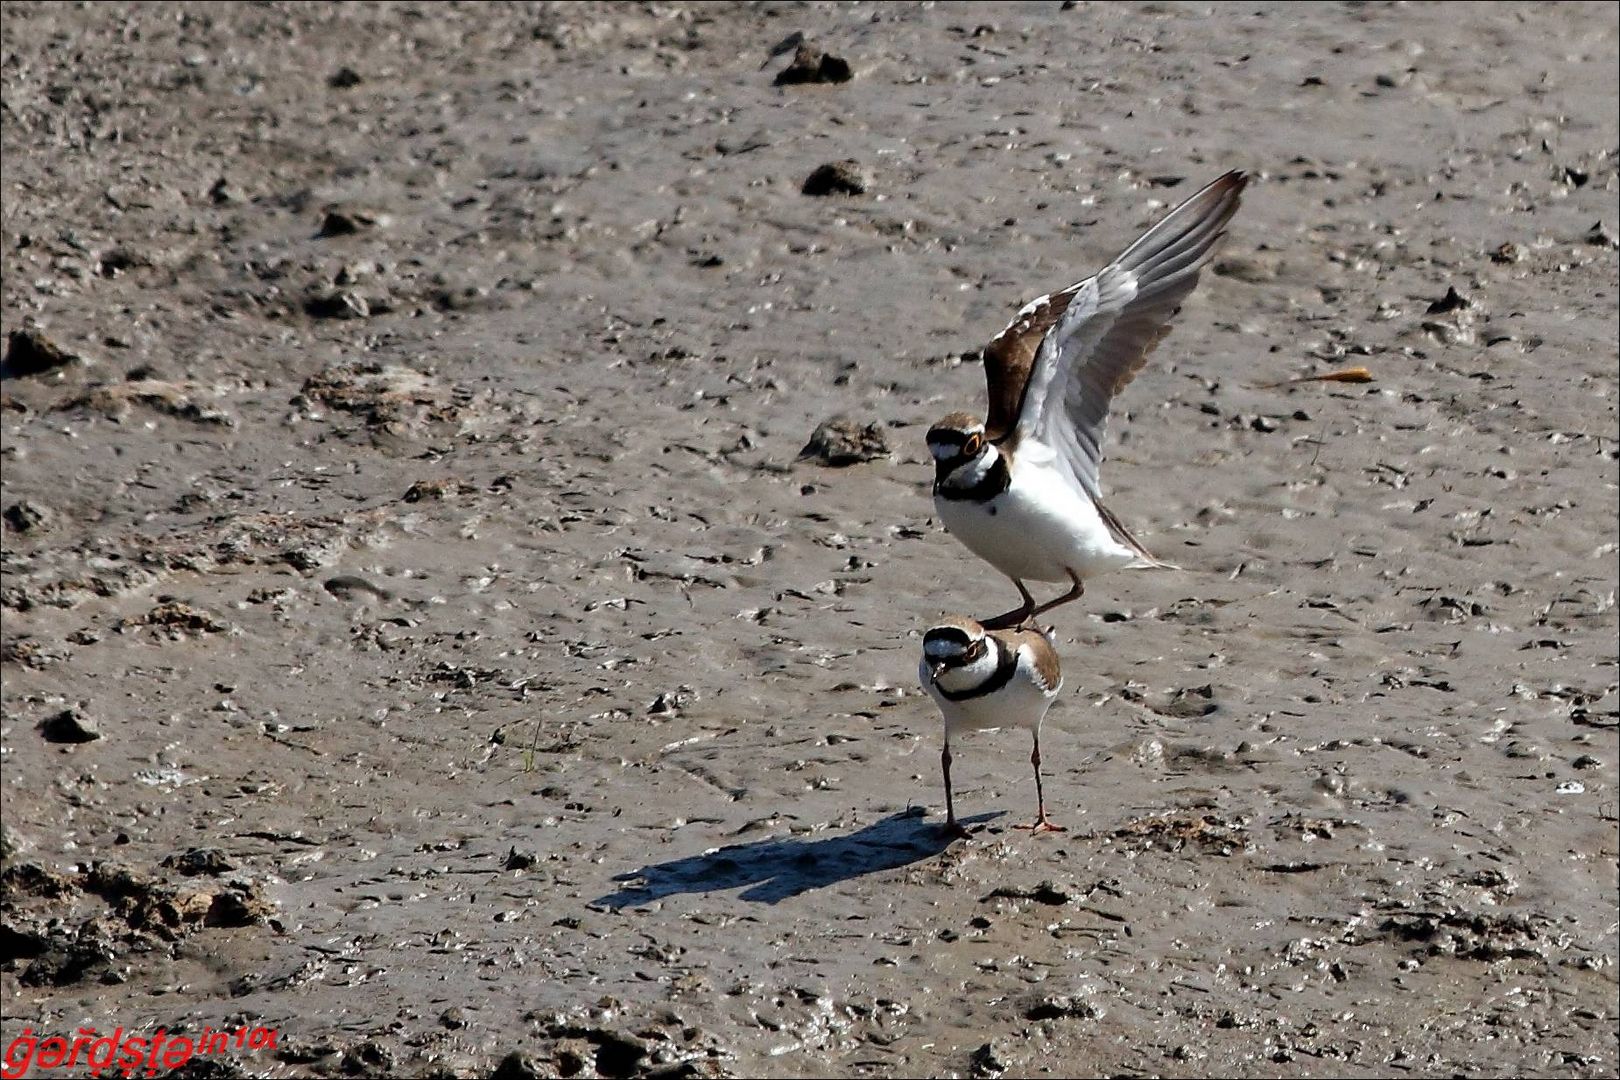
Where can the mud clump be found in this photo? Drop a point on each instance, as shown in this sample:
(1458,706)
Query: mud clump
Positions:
(61,929)
(811,65)
(847,177)
(842,441)
(117,400)
(1177,832)
(1474,935)
(69,726)
(383,395)
(30,517)
(176,620)
(29,352)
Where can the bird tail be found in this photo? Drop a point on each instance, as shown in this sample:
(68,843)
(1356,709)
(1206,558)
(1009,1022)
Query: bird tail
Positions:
(1145,559)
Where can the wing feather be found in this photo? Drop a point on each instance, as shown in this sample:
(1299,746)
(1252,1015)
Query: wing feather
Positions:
(1010,355)
(1101,337)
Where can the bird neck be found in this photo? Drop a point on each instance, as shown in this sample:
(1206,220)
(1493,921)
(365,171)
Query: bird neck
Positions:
(976,479)
(985,675)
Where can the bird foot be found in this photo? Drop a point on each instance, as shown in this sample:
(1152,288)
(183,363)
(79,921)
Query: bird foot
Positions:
(1019,617)
(1042,824)
(955,830)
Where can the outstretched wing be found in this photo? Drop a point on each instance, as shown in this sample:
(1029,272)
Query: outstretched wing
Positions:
(1011,353)
(1106,327)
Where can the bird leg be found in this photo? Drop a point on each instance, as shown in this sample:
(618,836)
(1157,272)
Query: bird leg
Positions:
(1041,823)
(1018,615)
(952,826)
(1075,593)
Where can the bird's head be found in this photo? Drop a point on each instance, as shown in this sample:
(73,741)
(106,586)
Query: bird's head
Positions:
(960,450)
(953,643)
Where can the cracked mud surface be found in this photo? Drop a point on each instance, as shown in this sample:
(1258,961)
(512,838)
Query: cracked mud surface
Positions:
(424,638)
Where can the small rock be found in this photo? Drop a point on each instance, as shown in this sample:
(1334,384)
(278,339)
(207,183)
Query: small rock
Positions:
(454,1018)
(343,78)
(70,726)
(990,1060)
(1044,893)
(33,879)
(1450,333)
(223,191)
(1600,235)
(178,619)
(348,220)
(29,352)
(1508,253)
(179,400)
(1189,703)
(841,441)
(337,304)
(520,1065)
(837,178)
(28,516)
(811,65)
(1056,1007)
(12,843)
(350,586)
(197,861)
(431,490)
(1452,301)
(520,860)
(120,259)
(1263,424)
(671,701)
(369,1058)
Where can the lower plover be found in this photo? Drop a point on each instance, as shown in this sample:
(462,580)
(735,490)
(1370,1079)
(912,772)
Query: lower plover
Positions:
(985,679)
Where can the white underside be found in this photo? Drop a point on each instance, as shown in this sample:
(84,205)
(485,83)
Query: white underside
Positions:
(1021,703)
(1039,529)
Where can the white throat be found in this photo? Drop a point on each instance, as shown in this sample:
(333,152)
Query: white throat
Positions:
(969,676)
(973,471)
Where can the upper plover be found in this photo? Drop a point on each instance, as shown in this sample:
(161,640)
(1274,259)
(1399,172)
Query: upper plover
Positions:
(1020,489)
(989,679)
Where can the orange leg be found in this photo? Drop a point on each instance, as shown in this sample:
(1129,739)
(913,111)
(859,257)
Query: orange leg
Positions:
(1042,823)
(1018,615)
(1075,593)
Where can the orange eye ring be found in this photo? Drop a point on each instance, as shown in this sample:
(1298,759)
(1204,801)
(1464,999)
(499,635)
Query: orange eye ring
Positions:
(971,447)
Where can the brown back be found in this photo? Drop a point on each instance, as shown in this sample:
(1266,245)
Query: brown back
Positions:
(1010,356)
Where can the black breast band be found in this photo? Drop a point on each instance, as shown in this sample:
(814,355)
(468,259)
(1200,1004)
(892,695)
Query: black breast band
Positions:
(996,480)
(1006,667)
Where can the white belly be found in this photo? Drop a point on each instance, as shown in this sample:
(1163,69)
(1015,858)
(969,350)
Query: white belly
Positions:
(1021,704)
(1039,529)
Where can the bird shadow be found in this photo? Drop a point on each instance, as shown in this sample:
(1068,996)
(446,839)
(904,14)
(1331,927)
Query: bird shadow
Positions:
(780,868)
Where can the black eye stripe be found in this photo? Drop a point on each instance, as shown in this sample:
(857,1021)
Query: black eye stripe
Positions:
(948,633)
(964,443)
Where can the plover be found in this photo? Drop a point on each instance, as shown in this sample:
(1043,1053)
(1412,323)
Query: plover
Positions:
(985,679)
(1020,488)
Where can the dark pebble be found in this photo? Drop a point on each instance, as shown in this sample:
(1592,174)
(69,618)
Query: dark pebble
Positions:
(29,352)
(69,726)
(836,178)
(811,65)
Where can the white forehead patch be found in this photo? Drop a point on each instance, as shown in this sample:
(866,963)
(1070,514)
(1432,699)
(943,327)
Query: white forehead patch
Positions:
(943,647)
(941,451)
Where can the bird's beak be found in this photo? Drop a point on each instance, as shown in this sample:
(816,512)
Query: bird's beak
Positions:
(935,667)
